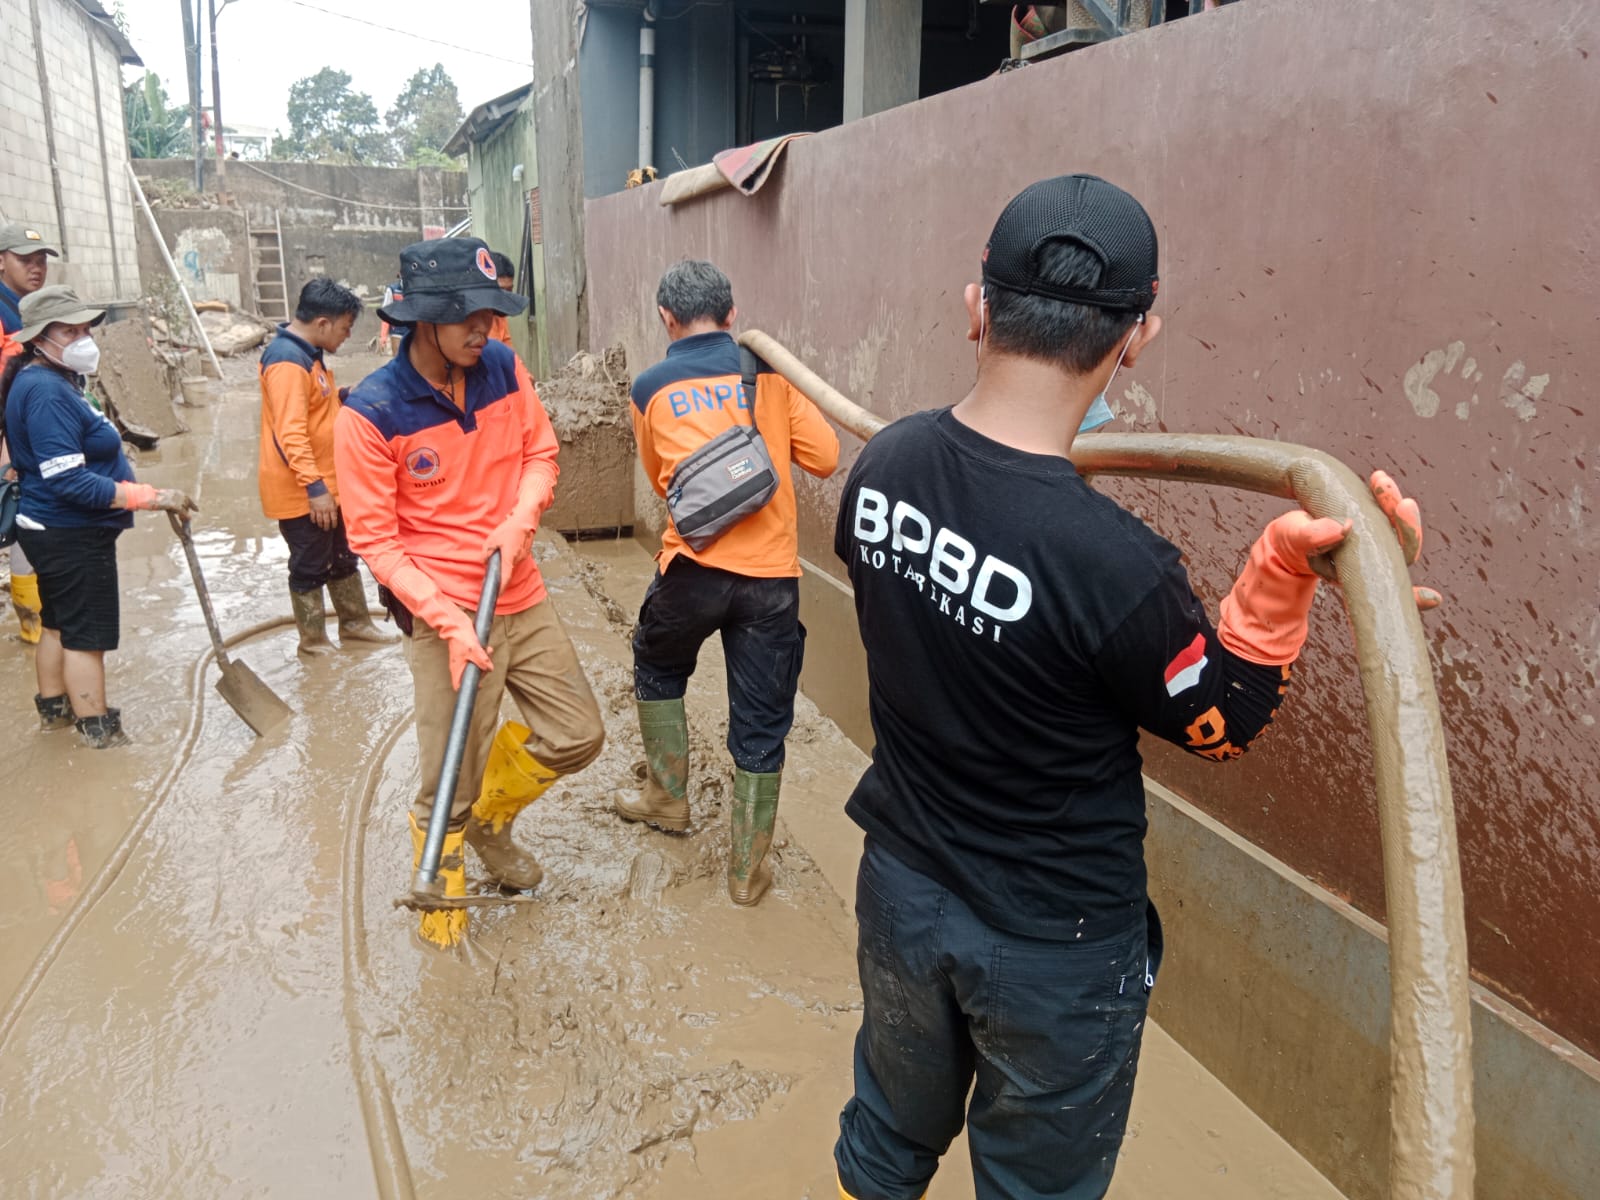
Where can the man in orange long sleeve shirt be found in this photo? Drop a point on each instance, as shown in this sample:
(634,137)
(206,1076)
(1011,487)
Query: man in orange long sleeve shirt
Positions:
(445,456)
(745,584)
(295,470)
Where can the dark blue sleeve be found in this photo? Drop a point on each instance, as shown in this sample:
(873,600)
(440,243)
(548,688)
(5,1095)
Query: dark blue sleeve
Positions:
(55,421)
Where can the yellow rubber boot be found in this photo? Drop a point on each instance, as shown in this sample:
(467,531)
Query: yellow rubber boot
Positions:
(443,929)
(512,780)
(25,599)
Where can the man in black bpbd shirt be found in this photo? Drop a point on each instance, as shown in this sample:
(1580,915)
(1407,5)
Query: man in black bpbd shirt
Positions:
(1020,630)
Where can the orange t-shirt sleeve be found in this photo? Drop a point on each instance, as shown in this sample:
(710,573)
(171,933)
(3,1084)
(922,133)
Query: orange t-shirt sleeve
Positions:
(367,488)
(813,445)
(283,401)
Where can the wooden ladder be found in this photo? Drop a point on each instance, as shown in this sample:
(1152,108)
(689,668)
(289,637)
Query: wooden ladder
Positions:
(267,271)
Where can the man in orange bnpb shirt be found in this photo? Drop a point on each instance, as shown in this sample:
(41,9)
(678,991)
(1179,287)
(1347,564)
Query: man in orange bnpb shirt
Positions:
(295,470)
(745,585)
(445,456)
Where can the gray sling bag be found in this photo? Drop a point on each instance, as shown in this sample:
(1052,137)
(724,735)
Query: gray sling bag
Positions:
(727,479)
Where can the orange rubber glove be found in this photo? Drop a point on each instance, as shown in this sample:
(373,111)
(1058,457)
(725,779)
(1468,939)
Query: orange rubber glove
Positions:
(1264,616)
(513,537)
(423,597)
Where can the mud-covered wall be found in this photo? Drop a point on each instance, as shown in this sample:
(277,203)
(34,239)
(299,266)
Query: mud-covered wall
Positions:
(1378,238)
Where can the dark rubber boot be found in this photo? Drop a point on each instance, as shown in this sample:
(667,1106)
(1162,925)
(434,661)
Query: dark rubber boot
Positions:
(755,812)
(664,802)
(55,712)
(311,619)
(103,733)
(349,598)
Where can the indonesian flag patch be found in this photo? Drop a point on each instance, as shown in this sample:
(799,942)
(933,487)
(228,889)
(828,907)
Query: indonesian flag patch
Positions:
(1184,671)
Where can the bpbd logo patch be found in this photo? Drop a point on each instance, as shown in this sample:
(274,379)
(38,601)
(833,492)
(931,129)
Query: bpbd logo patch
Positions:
(423,463)
(486,264)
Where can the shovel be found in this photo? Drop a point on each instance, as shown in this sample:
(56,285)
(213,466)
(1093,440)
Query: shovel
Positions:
(256,703)
(424,895)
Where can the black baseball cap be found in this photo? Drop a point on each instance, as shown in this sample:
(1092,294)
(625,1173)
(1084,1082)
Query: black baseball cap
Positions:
(446,280)
(1100,217)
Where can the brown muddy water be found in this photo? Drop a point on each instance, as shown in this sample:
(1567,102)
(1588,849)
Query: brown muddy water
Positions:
(206,992)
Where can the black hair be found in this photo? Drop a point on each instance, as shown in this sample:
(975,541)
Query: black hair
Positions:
(322,297)
(503,266)
(1074,337)
(692,289)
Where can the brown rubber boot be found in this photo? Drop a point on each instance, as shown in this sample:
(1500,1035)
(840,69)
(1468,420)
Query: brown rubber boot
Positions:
(755,813)
(349,598)
(311,619)
(664,802)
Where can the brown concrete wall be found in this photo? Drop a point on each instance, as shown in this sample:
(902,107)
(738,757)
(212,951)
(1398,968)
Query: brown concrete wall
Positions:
(1378,238)
(1283,990)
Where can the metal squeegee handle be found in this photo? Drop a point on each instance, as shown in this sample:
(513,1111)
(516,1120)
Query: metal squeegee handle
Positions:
(455,746)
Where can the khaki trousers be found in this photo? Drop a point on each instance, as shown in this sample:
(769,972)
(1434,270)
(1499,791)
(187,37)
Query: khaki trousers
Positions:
(535,662)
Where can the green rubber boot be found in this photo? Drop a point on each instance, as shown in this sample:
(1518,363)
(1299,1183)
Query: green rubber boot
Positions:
(664,802)
(311,619)
(755,812)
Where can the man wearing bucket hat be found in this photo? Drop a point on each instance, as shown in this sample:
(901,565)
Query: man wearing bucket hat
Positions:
(444,456)
(78,495)
(1020,630)
(23,251)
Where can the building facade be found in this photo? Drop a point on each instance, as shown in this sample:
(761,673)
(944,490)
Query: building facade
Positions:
(63,146)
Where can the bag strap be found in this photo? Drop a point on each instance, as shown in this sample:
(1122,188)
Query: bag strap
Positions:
(749,368)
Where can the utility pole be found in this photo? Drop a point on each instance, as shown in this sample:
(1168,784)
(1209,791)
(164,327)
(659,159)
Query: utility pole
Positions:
(216,89)
(191,62)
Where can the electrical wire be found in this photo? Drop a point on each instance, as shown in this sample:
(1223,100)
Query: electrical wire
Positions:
(421,37)
(300,187)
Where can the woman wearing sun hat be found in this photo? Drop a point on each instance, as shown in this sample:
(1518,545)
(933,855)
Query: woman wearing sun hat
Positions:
(78,495)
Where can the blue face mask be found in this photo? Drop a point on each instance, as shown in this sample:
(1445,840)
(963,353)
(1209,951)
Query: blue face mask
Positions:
(1099,414)
(1099,411)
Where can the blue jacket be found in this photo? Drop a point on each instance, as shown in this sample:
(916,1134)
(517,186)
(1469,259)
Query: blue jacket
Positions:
(68,457)
(10,310)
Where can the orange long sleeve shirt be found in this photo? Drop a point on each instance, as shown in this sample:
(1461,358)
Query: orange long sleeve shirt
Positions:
(424,481)
(691,396)
(298,405)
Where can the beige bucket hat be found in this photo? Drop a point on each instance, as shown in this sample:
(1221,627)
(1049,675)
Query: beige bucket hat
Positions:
(51,305)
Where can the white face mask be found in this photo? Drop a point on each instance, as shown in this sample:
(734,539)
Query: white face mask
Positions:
(82,355)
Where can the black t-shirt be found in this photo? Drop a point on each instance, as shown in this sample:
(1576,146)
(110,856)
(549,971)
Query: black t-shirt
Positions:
(1020,628)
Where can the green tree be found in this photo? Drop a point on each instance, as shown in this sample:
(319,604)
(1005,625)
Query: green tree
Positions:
(425,114)
(328,122)
(155,130)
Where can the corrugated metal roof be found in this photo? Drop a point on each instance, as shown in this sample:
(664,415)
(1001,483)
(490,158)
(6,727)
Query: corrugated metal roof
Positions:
(487,119)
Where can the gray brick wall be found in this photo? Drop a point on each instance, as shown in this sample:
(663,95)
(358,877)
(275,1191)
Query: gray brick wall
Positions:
(101,258)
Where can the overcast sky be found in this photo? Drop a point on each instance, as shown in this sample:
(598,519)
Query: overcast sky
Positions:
(266,45)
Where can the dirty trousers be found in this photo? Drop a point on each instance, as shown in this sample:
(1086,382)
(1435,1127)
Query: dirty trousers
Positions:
(535,662)
(1044,1034)
(763,645)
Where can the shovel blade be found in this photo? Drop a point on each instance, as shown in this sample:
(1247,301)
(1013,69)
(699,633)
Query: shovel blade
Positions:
(257,704)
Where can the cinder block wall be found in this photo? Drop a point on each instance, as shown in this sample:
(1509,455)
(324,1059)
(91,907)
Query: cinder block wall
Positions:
(95,234)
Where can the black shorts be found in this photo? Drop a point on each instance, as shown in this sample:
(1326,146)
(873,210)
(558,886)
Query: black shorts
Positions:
(77,569)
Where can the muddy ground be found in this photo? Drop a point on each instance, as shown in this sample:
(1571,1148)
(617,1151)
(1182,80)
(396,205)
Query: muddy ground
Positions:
(207,993)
